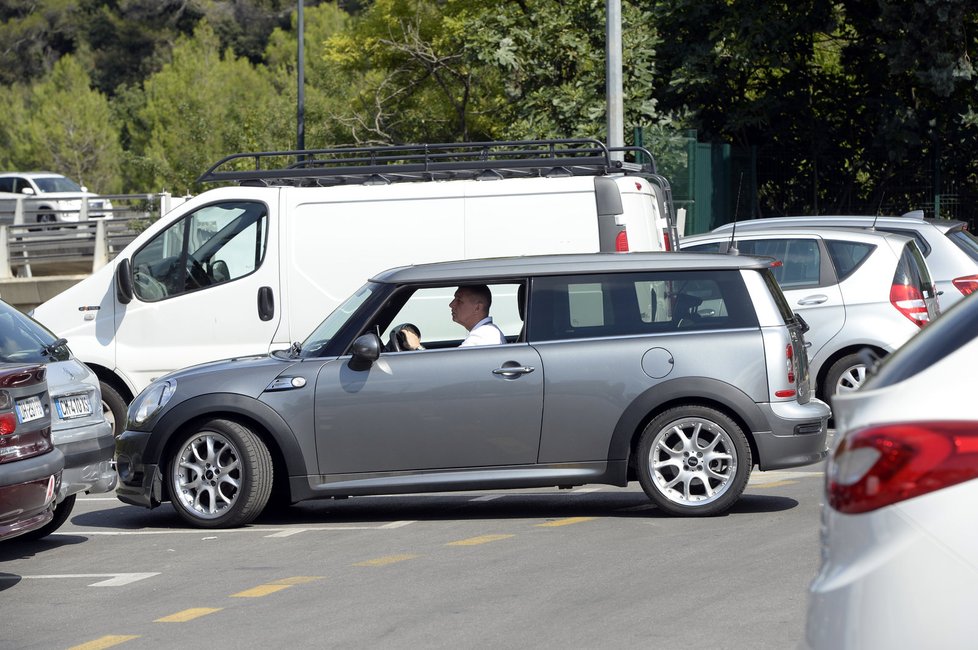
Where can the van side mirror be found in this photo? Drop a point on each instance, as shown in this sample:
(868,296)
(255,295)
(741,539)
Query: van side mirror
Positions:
(123,281)
(366,350)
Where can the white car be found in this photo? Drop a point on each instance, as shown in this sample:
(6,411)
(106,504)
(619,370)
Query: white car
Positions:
(950,250)
(856,289)
(53,197)
(899,529)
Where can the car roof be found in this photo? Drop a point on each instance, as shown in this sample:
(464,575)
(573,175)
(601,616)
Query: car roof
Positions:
(814,231)
(32,174)
(910,220)
(502,267)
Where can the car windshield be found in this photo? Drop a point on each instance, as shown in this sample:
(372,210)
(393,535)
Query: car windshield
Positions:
(23,339)
(57,184)
(323,334)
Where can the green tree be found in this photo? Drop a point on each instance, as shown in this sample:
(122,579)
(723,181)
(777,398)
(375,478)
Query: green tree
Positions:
(61,124)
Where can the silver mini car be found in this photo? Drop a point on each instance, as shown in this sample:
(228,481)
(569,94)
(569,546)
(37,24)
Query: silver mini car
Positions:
(681,371)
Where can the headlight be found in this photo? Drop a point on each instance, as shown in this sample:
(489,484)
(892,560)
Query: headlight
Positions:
(150,401)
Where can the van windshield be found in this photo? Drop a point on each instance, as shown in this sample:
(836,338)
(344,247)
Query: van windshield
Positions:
(323,334)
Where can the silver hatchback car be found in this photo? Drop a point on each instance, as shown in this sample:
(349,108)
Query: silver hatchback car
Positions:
(677,370)
(857,290)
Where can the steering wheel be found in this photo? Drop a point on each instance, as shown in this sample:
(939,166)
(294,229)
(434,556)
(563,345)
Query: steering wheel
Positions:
(396,341)
(196,272)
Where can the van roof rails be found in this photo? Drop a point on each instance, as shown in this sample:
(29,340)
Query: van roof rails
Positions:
(421,162)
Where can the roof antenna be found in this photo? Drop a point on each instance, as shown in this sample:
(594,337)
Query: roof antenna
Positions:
(879,209)
(732,247)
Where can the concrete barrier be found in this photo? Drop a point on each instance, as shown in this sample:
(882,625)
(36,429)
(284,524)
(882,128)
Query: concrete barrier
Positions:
(27,293)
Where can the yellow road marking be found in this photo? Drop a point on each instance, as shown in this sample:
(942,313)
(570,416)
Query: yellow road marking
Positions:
(105,642)
(382,561)
(484,539)
(188,615)
(259,591)
(296,580)
(565,522)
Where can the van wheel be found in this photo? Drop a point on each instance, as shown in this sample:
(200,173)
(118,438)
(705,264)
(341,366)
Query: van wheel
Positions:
(113,408)
(220,476)
(846,375)
(693,461)
(61,513)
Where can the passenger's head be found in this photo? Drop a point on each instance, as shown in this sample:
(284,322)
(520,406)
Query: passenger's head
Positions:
(471,304)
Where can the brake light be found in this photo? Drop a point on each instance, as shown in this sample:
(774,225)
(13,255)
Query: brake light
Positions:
(621,242)
(883,465)
(668,242)
(967,284)
(8,424)
(789,356)
(910,302)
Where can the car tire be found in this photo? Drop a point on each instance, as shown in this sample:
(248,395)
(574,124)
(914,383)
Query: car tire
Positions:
(61,513)
(113,407)
(844,376)
(220,476)
(693,461)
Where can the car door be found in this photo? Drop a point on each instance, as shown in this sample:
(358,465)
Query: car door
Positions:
(433,409)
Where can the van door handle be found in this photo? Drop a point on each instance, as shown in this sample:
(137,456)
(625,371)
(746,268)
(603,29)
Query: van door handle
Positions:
(813,300)
(513,371)
(266,303)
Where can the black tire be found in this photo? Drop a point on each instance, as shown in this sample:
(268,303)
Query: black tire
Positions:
(844,376)
(61,513)
(698,450)
(220,476)
(114,408)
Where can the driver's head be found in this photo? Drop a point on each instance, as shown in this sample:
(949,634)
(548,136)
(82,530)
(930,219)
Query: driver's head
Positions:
(471,304)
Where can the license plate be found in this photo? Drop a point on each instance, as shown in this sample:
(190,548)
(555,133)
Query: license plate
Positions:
(75,406)
(29,409)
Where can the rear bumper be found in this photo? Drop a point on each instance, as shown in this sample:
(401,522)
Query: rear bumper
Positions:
(27,493)
(798,434)
(89,464)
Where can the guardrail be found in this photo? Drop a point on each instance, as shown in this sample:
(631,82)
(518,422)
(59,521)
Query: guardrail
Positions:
(29,248)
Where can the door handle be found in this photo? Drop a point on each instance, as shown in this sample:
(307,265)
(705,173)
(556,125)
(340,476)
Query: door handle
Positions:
(513,371)
(813,300)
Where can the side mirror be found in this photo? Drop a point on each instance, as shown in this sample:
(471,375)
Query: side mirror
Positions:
(366,350)
(123,281)
(29,191)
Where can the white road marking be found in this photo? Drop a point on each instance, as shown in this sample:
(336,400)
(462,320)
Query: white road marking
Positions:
(114,579)
(584,490)
(487,497)
(763,478)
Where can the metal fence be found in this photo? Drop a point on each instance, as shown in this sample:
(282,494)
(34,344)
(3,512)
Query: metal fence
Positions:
(76,242)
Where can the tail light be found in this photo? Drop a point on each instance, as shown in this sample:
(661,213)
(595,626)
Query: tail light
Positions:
(8,423)
(667,240)
(621,242)
(789,357)
(883,465)
(910,302)
(967,284)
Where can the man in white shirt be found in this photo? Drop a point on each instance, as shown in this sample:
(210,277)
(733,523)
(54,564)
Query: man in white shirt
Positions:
(470,309)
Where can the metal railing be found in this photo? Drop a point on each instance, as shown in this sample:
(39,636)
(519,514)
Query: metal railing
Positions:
(85,243)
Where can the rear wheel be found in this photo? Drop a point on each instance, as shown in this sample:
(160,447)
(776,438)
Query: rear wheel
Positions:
(844,376)
(220,476)
(693,461)
(61,513)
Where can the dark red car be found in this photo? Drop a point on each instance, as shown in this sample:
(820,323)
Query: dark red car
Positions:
(30,465)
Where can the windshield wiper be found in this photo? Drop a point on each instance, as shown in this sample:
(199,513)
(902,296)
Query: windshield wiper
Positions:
(54,345)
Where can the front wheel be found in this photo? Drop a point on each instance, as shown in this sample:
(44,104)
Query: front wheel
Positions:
(693,461)
(220,476)
(113,408)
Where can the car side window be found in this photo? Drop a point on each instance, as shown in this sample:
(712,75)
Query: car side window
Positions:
(214,245)
(847,256)
(800,259)
(628,304)
(6,185)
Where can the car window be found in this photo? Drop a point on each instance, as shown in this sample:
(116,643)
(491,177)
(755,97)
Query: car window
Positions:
(912,270)
(800,260)
(22,339)
(847,256)
(216,244)
(316,342)
(965,241)
(910,232)
(625,304)
(427,308)
(57,184)
(6,185)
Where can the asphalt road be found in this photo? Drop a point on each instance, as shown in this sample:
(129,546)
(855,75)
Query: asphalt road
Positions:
(594,567)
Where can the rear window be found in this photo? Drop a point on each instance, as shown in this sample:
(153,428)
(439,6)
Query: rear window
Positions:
(965,241)
(24,340)
(847,256)
(587,306)
(912,270)
(910,232)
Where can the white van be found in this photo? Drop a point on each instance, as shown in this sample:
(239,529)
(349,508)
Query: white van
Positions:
(250,268)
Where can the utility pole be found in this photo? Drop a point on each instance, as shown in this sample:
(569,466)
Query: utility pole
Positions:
(300,118)
(616,121)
